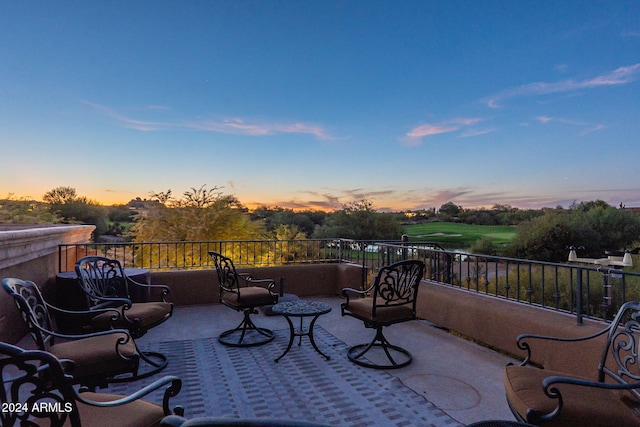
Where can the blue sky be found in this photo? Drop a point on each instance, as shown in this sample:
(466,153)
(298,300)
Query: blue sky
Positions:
(314,104)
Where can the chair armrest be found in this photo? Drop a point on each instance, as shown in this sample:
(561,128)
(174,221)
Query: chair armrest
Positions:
(553,392)
(548,382)
(173,384)
(88,313)
(164,289)
(523,342)
(270,284)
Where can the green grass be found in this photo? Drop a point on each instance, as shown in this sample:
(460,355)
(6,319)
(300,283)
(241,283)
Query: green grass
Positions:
(459,236)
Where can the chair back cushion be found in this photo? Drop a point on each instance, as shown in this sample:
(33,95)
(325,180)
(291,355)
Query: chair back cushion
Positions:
(100,278)
(32,307)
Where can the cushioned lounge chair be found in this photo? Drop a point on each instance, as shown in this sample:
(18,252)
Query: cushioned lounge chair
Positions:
(99,358)
(607,396)
(36,381)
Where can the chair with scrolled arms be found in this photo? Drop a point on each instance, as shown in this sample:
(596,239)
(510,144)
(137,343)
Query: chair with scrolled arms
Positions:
(607,396)
(36,390)
(390,299)
(243,293)
(104,282)
(99,358)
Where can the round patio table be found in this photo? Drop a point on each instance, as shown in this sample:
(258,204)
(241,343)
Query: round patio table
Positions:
(301,309)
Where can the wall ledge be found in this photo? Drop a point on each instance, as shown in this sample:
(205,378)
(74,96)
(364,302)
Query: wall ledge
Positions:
(21,245)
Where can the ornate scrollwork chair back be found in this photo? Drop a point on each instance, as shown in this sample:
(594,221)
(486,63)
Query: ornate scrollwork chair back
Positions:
(243,293)
(390,299)
(37,391)
(104,282)
(33,309)
(609,395)
(98,358)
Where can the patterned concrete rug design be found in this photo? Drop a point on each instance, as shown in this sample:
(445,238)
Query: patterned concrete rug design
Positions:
(247,383)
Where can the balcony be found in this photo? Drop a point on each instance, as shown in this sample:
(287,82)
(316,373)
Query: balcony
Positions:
(455,366)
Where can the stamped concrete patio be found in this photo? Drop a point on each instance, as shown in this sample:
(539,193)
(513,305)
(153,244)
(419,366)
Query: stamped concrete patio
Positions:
(461,378)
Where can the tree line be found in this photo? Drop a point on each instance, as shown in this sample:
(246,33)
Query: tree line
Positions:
(202,214)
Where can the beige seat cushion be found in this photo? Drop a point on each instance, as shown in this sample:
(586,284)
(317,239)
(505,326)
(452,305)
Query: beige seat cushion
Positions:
(251,296)
(363,307)
(583,406)
(138,413)
(147,313)
(135,414)
(97,355)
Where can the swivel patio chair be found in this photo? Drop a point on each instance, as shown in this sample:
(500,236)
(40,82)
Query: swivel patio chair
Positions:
(242,293)
(36,391)
(98,358)
(105,284)
(607,396)
(391,299)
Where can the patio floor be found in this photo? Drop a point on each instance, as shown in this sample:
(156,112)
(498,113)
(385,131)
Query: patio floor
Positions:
(461,378)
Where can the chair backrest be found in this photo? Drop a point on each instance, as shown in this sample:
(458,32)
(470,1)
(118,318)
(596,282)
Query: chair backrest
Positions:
(33,309)
(100,278)
(33,381)
(397,284)
(227,275)
(620,356)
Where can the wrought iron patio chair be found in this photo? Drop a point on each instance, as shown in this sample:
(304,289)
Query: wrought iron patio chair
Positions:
(99,358)
(607,396)
(243,293)
(36,391)
(390,299)
(104,282)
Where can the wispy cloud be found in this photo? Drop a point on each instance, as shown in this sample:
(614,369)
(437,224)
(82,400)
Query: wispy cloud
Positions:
(620,76)
(631,34)
(415,135)
(237,126)
(587,128)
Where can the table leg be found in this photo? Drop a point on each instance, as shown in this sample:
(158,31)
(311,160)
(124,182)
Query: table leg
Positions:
(313,342)
(291,336)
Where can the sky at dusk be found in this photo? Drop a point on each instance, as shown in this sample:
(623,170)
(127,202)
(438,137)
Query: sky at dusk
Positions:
(315,104)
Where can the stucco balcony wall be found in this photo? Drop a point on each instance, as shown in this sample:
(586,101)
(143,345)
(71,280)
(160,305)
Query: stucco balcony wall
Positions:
(31,253)
(201,286)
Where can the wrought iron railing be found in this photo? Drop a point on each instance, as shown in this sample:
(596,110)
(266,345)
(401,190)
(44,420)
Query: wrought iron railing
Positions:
(585,290)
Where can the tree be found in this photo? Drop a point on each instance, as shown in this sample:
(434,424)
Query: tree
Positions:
(598,229)
(64,202)
(25,211)
(60,195)
(450,208)
(360,221)
(200,215)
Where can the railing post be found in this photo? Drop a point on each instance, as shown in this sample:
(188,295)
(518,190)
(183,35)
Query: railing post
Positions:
(405,242)
(579,296)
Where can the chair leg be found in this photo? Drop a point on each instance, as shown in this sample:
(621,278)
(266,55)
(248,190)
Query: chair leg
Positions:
(246,334)
(397,357)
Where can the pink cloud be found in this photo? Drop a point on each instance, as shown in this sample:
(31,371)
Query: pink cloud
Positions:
(232,126)
(619,76)
(587,127)
(415,135)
